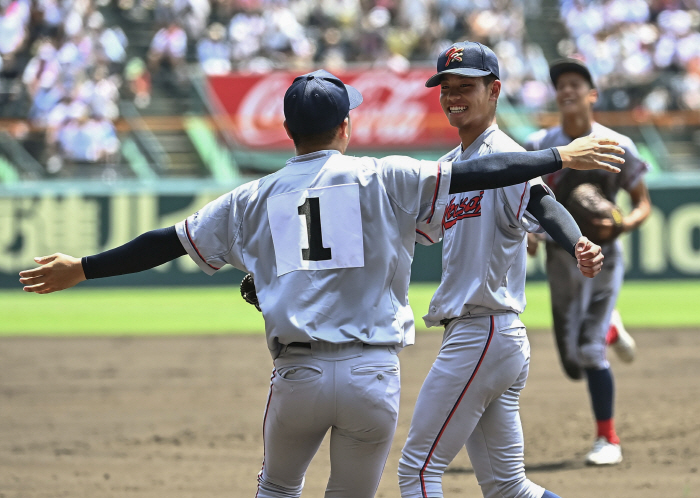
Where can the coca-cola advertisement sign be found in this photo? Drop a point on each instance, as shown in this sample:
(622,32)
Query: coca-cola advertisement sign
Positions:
(398,111)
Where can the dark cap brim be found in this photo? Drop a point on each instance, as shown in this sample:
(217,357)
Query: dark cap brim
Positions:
(560,67)
(434,80)
(354,96)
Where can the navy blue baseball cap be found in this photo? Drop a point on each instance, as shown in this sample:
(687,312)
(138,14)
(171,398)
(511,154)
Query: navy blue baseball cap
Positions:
(317,102)
(466,58)
(569,65)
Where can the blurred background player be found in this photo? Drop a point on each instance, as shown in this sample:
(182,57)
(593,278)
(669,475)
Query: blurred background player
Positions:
(583,309)
(471,394)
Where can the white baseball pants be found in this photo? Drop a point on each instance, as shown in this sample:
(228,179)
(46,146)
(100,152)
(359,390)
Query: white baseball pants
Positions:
(470,397)
(581,307)
(351,389)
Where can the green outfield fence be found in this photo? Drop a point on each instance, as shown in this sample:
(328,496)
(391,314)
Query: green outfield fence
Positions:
(80,218)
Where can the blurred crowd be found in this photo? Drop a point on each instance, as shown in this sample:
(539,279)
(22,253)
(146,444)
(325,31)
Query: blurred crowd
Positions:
(69,64)
(72,67)
(643,53)
(262,35)
(631,44)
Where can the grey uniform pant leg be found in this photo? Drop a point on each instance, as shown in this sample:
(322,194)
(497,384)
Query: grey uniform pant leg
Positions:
(470,397)
(581,307)
(356,398)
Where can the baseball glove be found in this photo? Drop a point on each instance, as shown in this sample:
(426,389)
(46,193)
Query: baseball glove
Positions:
(587,203)
(248,291)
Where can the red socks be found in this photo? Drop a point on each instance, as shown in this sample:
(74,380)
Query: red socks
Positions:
(606,429)
(611,338)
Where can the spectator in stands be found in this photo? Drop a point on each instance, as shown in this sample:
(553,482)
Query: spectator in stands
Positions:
(168,48)
(43,69)
(14,21)
(110,42)
(139,82)
(246,30)
(214,51)
(88,139)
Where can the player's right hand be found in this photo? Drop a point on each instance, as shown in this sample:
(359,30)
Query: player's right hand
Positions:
(57,272)
(591,153)
(589,257)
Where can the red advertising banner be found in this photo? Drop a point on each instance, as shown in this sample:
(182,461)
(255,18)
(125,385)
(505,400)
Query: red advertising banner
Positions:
(398,111)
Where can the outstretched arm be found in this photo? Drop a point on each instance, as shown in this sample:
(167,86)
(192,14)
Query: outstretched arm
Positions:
(510,168)
(560,225)
(60,271)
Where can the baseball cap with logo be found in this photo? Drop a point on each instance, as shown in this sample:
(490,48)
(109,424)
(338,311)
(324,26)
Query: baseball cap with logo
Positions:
(568,65)
(317,102)
(466,58)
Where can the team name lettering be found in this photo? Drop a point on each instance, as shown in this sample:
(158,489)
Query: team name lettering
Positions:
(454,55)
(466,208)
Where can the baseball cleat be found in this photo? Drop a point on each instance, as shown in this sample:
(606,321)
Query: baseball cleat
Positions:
(624,346)
(604,453)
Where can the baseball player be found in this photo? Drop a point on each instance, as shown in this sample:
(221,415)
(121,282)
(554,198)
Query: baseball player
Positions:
(470,396)
(329,239)
(581,308)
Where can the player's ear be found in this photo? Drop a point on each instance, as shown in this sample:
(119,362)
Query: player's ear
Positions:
(345,128)
(495,90)
(286,129)
(593,96)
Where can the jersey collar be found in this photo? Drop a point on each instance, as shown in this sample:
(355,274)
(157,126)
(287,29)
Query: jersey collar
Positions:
(312,156)
(474,146)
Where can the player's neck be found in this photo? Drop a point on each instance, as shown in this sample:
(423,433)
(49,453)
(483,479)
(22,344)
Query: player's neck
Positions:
(471,133)
(577,125)
(302,151)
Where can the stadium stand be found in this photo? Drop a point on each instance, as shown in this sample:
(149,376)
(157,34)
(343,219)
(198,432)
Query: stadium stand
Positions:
(106,89)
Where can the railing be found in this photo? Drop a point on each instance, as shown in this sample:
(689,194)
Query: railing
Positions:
(18,156)
(146,141)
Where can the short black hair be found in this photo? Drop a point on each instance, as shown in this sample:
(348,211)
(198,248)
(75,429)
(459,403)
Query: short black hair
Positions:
(314,139)
(489,78)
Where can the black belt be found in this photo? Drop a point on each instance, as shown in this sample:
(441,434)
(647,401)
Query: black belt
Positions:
(299,345)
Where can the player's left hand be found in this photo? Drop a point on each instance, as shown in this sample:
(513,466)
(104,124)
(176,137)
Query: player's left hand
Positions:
(57,272)
(589,257)
(533,243)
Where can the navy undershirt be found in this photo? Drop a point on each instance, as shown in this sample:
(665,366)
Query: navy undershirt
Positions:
(146,251)
(554,218)
(159,246)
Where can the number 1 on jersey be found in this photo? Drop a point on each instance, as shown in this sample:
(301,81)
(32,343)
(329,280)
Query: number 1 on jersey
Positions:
(312,212)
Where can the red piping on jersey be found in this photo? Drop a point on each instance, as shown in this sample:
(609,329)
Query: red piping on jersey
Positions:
(435,195)
(189,237)
(425,235)
(454,409)
(267,407)
(521,202)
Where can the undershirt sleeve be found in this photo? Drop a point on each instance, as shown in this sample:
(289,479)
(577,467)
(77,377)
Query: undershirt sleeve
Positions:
(146,251)
(554,218)
(502,169)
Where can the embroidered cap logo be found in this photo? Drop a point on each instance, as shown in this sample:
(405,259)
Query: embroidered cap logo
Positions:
(454,54)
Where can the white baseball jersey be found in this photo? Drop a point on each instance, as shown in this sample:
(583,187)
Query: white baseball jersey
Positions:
(484,245)
(563,181)
(471,394)
(329,240)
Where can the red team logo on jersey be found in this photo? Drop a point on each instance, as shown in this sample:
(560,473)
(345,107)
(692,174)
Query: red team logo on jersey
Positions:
(454,54)
(467,208)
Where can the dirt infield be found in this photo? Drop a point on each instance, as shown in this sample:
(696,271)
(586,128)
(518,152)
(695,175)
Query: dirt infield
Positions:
(181,417)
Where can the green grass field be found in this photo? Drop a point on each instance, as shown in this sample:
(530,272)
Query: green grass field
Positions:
(220,310)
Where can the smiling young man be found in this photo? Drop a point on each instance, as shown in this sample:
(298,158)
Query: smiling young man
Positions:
(583,311)
(470,396)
